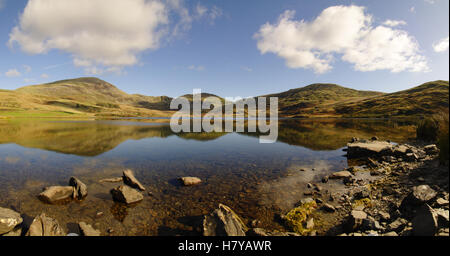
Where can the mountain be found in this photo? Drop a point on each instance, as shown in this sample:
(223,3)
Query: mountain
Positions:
(424,99)
(92,97)
(317,99)
(82,96)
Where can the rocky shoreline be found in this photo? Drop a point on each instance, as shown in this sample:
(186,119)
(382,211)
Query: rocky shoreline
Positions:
(406,192)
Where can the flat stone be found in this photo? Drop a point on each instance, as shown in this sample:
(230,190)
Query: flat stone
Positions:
(88,230)
(45,226)
(442,201)
(425,223)
(340,175)
(392,233)
(112,180)
(9,219)
(80,188)
(130,180)
(190,181)
(126,194)
(223,222)
(368,149)
(55,194)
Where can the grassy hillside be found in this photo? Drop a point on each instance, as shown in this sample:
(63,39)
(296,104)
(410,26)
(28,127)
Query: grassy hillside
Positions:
(426,99)
(94,98)
(317,99)
(79,97)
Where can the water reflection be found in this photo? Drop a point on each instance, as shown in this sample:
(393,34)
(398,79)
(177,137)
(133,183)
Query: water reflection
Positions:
(256,180)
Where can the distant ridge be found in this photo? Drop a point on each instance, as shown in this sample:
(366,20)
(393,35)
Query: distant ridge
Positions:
(93,97)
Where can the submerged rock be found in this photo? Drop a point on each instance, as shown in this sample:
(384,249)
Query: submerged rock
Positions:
(80,188)
(55,194)
(341,175)
(112,180)
(126,194)
(9,219)
(223,222)
(88,230)
(45,226)
(130,180)
(190,181)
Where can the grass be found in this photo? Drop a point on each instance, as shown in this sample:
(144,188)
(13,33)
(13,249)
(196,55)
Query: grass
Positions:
(297,217)
(435,129)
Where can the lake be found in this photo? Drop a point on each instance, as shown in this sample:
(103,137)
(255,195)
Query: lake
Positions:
(258,181)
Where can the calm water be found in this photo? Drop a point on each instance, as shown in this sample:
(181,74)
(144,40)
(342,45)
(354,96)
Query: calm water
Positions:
(257,180)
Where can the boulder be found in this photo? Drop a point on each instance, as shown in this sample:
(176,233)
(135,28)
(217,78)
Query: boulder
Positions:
(130,180)
(356,219)
(190,181)
(423,193)
(340,175)
(80,188)
(425,223)
(56,194)
(369,149)
(45,226)
(88,230)
(9,219)
(223,222)
(126,194)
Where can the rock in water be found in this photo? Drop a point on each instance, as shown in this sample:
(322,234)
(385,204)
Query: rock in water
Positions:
(45,226)
(425,223)
(55,194)
(367,149)
(340,175)
(8,220)
(126,194)
(223,222)
(130,180)
(80,188)
(88,230)
(190,181)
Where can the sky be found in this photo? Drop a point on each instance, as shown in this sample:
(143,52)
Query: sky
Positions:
(229,48)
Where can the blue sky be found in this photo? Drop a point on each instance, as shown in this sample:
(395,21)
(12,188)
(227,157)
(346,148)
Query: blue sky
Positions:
(224,47)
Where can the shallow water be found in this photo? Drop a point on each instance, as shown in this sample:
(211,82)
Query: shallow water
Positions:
(257,180)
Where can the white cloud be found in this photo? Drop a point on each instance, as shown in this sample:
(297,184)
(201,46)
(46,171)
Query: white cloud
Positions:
(196,68)
(44,76)
(442,45)
(211,14)
(394,23)
(12,73)
(412,9)
(345,31)
(430,1)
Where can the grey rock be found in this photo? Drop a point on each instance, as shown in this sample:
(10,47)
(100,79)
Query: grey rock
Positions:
(431,149)
(80,188)
(371,224)
(55,194)
(384,215)
(340,175)
(88,230)
(310,223)
(392,233)
(425,223)
(9,219)
(15,232)
(356,219)
(423,193)
(130,180)
(369,149)
(190,181)
(126,194)
(223,222)
(112,180)
(442,202)
(45,226)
